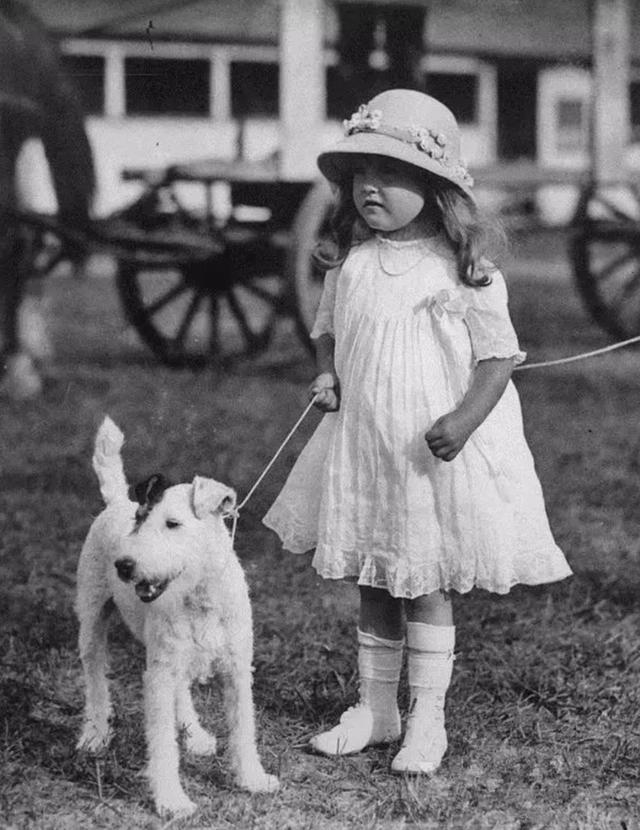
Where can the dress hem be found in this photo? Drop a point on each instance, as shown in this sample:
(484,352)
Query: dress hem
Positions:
(501,590)
(364,575)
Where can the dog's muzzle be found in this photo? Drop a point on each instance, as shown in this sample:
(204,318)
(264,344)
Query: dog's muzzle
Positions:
(146,589)
(150,590)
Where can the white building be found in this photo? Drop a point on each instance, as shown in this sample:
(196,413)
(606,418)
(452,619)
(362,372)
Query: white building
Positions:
(166,82)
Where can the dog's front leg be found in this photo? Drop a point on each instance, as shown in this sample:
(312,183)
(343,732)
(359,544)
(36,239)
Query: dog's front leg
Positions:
(160,685)
(92,642)
(197,739)
(240,715)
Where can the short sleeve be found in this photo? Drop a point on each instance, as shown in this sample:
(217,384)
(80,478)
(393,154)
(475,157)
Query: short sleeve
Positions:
(324,316)
(490,327)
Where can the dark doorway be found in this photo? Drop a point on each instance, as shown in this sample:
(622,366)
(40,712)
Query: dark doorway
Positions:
(517,103)
(379,47)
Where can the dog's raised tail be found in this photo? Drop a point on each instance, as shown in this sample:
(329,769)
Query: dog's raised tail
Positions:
(107,462)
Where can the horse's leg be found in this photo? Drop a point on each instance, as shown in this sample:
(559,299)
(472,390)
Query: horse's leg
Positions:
(18,376)
(34,190)
(10,289)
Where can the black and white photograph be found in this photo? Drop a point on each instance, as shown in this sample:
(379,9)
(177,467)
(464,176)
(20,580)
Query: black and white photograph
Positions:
(320,414)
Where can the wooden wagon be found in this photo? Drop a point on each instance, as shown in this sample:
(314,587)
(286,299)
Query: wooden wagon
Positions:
(197,286)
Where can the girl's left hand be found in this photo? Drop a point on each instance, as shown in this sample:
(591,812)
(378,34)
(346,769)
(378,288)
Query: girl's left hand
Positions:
(448,435)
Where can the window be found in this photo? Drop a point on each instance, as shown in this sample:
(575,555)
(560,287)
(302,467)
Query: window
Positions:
(254,89)
(86,73)
(571,128)
(342,98)
(167,86)
(458,91)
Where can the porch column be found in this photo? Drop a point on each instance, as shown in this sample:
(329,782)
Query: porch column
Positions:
(114,84)
(220,103)
(302,86)
(610,124)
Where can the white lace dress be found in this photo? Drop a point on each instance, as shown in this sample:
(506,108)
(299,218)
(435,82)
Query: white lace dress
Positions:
(366,492)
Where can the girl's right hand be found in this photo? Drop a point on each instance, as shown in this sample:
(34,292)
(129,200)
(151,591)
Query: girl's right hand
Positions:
(327,387)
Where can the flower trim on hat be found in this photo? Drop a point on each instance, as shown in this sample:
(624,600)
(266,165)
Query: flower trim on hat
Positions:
(364,120)
(431,142)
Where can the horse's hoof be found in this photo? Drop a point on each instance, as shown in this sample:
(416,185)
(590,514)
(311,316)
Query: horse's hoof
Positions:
(20,380)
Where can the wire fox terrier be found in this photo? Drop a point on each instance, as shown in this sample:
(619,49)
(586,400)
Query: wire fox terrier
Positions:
(167,563)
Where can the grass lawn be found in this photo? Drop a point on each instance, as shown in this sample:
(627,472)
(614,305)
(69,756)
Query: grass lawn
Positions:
(543,709)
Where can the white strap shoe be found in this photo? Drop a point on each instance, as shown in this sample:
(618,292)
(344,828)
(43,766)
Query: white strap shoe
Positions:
(425,742)
(357,729)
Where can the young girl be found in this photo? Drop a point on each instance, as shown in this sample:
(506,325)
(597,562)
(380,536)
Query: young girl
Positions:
(418,480)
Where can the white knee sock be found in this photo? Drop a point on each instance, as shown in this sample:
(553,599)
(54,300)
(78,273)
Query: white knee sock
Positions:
(379,666)
(375,719)
(430,668)
(430,659)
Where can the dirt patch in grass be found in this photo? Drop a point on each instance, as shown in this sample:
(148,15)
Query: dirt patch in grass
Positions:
(543,709)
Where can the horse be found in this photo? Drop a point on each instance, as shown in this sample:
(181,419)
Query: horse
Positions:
(37,101)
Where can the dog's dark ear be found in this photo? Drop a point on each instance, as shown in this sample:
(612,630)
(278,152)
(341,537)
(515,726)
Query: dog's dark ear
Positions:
(208,496)
(149,492)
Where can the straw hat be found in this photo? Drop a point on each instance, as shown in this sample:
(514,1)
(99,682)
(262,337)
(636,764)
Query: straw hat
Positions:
(403,124)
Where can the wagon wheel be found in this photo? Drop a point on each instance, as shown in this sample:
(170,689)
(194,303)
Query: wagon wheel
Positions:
(605,251)
(310,225)
(191,313)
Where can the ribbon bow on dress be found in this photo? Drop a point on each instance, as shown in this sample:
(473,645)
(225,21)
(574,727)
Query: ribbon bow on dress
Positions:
(446,301)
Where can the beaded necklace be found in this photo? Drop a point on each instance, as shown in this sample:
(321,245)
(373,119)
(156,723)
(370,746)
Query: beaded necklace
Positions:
(422,250)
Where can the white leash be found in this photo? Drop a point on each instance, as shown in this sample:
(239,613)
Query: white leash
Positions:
(292,431)
(581,356)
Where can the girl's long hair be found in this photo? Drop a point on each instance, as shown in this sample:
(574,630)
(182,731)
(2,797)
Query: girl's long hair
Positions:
(473,236)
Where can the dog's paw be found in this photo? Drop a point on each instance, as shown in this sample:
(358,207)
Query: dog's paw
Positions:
(94,739)
(201,743)
(259,781)
(175,805)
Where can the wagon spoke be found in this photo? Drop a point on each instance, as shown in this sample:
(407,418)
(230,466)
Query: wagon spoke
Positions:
(165,299)
(624,304)
(617,213)
(631,288)
(614,265)
(214,324)
(253,339)
(633,187)
(263,294)
(188,318)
